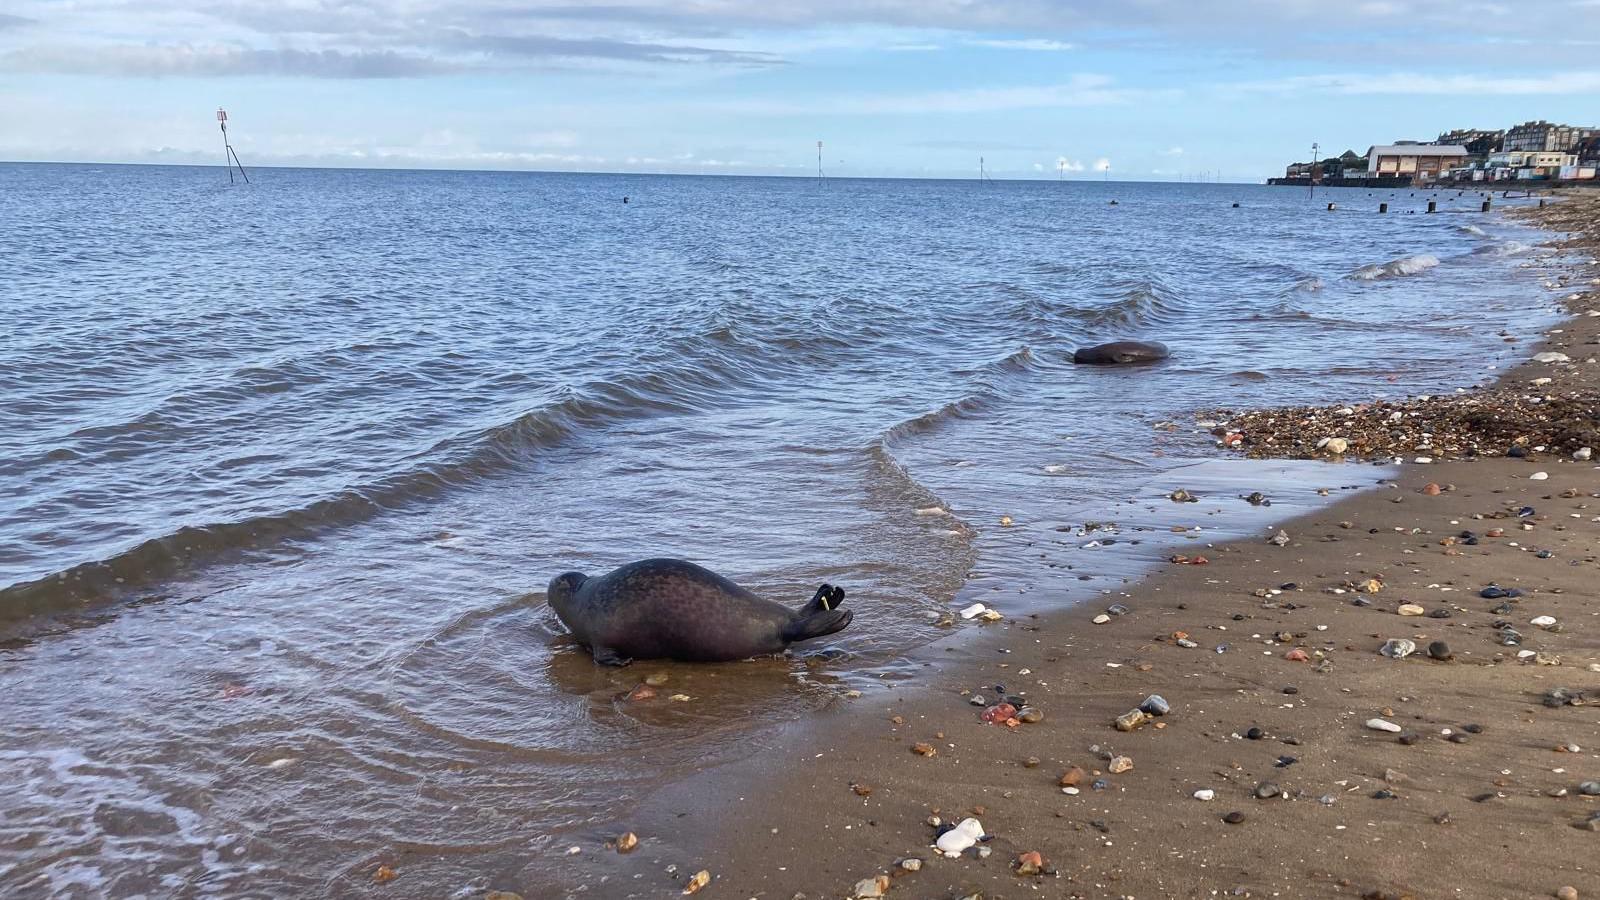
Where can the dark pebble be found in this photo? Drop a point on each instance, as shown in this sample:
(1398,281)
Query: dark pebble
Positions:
(1409,738)
(1442,819)
(1254,733)
(1234,817)
(1459,738)
(1590,789)
(1117,609)
(1100,785)
(1483,798)
(1289,586)
(1440,613)
(1384,794)
(1501,609)
(1525,512)
(1285,762)
(1440,650)
(1516,453)
(1544,554)
(1291,689)
(1472,728)
(1360,601)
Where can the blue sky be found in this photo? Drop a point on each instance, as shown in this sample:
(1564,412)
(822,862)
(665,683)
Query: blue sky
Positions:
(1149,89)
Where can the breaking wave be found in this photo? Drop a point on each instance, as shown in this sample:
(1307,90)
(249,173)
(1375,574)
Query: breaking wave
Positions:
(1405,265)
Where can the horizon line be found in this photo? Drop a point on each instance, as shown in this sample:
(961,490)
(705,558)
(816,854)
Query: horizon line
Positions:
(811,177)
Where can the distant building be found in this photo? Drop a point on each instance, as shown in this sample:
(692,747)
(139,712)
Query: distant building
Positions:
(1479,142)
(1546,137)
(1529,163)
(1421,161)
(1588,151)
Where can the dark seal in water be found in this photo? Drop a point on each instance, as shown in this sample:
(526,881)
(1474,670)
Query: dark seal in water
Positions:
(1121,353)
(669,608)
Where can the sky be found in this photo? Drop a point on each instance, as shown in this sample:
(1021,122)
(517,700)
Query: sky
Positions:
(1133,89)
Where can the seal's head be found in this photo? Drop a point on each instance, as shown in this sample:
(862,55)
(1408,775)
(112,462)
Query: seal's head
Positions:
(563,588)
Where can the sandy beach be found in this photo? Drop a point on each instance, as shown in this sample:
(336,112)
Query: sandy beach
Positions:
(1296,760)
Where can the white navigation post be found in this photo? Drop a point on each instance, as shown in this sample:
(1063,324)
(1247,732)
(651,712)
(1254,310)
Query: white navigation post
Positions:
(230,157)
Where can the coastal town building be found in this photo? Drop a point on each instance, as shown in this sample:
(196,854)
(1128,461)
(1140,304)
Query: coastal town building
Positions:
(1541,135)
(1408,159)
(1526,164)
(1479,142)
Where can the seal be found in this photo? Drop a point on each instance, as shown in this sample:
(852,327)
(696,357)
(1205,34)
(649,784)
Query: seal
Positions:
(1121,353)
(670,608)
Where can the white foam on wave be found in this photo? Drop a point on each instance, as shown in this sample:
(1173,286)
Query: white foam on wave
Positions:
(933,511)
(1405,265)
(1473,229)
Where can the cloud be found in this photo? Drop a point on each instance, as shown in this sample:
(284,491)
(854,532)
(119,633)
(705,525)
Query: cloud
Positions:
(1078,91)
(1069,165)
(1039,44)
(1102,165)
(980,146)
(10,21)
(202,61)
(1422,84)
(1173,151)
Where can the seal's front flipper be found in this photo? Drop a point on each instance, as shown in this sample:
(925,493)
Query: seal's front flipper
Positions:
(606,656)
(805,627)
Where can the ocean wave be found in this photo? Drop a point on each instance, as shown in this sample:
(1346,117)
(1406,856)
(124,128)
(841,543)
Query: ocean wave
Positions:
(933,419)
(1472,229)
(1504,248)
(1405,265)
(464,459)
(1141,303)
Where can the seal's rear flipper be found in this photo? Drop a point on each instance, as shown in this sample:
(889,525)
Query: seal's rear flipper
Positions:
(827,598)
(805,627)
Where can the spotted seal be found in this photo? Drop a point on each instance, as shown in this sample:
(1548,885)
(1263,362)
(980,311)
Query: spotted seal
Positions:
(1121,353)
(669,608)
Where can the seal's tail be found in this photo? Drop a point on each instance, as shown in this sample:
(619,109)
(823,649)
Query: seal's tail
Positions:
(816,624)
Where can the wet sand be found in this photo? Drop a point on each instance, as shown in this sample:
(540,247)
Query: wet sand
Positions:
(1477,796)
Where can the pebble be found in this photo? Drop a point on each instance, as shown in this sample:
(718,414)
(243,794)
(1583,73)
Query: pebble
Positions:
(1071,777)
(1266,790)
(1101,619)
(1155,705)
(1117,609)
(1589,788)
(1234,817)
(1440,650)
(1335,445)
(1567,893)
(1543,621)
(870,888)
(1120,764)
(1280,539)
(1131,720)
(1205,794)
(1398,648)
(1254,733)
(973,610)
(963,835)
(1539,476)
(1551,357)
(1030,715)
(1410,609)
(910,864)
(1583,454)
(1383,725)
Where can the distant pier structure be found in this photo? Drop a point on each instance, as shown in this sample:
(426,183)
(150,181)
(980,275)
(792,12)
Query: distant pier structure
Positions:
(230,158)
